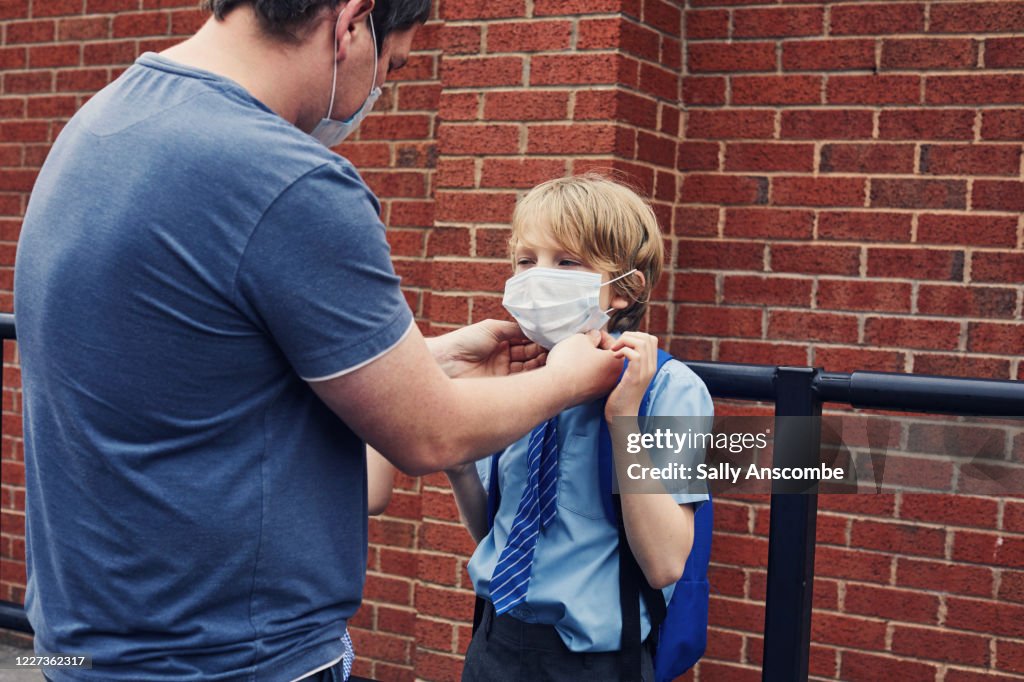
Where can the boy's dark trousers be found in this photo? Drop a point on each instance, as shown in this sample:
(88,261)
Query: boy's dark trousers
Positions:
(508,650)
(335,672)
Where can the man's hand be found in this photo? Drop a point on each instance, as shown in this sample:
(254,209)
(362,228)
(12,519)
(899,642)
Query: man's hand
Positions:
(488,348)
(589,369)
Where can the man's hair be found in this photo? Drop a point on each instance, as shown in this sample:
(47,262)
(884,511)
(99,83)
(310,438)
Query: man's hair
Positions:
(283,18)
(398,15)
(604,223)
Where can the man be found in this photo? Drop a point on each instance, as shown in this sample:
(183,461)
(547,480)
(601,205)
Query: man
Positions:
(210,328)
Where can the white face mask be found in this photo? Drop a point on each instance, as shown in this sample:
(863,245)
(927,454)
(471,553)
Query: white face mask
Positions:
(330,132)
(551,305)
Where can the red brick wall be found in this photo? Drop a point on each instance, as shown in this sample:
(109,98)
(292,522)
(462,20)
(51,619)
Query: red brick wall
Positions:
(842,188)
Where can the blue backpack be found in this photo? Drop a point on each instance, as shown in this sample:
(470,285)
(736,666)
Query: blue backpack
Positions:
(679,630)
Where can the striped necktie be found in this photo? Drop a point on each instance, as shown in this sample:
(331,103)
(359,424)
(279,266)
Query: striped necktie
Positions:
(511,577)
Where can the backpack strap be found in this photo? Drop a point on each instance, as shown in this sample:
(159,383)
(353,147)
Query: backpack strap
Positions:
(630,579)
(632,586)
(632,583)
(493,490)
(493,502)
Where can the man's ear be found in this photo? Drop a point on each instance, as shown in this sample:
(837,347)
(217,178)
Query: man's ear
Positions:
(352,14)
(620,302)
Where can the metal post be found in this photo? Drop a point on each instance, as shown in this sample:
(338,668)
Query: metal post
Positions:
(787,620)
(12,617)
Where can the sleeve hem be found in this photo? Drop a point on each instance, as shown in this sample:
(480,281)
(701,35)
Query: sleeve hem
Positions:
(363,363)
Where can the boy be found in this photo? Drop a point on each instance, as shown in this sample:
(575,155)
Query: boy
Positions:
(582,247)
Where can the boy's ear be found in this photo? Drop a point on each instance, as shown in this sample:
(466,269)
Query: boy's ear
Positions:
(620,302)
(353,14)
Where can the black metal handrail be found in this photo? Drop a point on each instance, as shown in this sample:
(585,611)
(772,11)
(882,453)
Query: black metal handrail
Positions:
(796,391)
(870,390)
(801,391)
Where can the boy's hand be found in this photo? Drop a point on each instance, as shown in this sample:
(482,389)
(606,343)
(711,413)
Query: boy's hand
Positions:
(642,352)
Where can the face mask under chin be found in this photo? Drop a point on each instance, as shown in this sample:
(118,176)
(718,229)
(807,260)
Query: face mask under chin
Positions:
(331,132)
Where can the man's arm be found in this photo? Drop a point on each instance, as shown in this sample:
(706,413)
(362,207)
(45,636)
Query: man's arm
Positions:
(380,480)
(405,406)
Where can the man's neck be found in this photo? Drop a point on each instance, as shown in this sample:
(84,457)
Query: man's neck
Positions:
(271,70)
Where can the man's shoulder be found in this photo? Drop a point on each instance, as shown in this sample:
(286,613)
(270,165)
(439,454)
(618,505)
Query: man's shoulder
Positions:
(204,126)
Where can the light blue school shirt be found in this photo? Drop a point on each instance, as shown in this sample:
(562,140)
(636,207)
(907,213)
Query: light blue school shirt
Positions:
(575,580)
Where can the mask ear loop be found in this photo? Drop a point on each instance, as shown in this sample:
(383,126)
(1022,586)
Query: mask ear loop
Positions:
(636,252)
(376,55)
(334,55)
(622,276)
(627,274)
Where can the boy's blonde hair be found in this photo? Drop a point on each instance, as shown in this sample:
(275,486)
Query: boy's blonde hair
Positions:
(604,223)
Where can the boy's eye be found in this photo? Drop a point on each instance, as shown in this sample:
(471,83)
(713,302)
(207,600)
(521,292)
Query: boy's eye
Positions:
(569,263)
(524,261)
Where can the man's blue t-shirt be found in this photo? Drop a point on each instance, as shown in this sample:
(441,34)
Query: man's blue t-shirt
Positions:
(188,257)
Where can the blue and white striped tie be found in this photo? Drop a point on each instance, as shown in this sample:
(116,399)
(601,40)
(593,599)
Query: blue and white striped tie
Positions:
(511,578)
(349,654)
